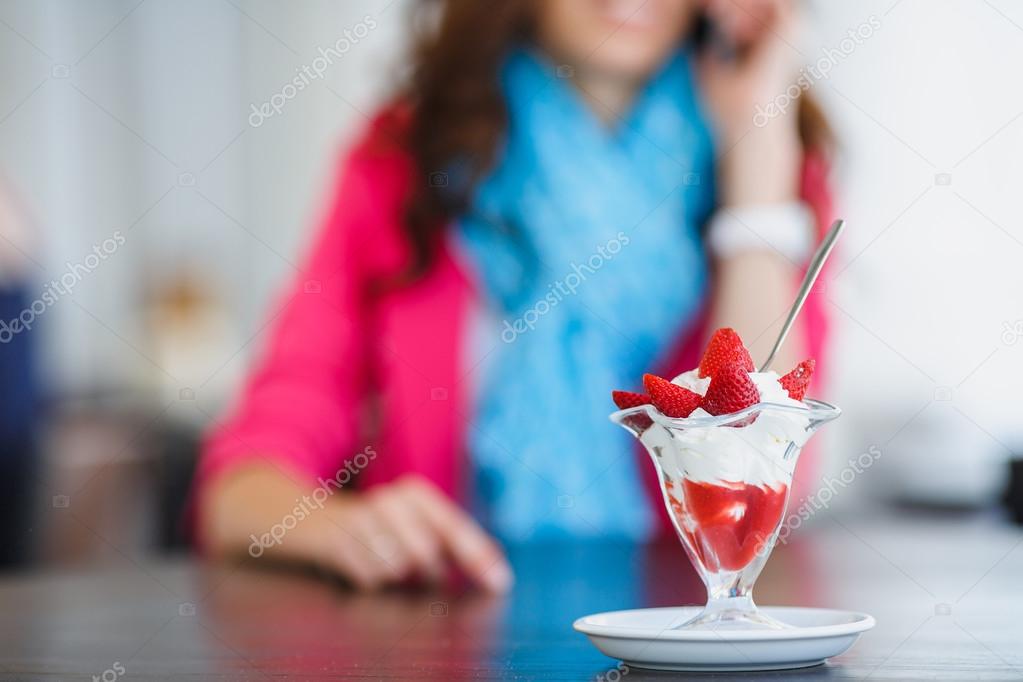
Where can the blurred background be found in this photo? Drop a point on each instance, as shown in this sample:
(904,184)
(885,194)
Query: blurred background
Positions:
(149,209)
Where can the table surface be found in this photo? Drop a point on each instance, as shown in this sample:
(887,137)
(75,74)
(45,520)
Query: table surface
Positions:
(945,592)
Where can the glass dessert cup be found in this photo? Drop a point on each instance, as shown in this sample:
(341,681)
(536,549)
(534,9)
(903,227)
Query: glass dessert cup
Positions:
(725,482)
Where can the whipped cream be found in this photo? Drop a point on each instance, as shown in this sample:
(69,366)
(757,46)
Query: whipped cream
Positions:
(750,454)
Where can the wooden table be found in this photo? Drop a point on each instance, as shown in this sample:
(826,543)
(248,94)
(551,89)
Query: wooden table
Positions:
(946,593)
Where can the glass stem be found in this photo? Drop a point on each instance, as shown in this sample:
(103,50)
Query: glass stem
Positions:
(735,606)
(730,605)
(730,595)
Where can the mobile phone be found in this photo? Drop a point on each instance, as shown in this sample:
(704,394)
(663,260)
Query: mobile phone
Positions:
(709,37)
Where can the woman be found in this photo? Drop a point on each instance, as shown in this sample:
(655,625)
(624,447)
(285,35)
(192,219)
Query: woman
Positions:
(567,195)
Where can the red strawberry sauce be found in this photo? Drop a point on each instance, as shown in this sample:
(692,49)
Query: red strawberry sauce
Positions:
(729,521)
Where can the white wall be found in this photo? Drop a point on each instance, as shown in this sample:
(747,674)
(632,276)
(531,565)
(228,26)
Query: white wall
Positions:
(931,271)
(135,117)
(163,88)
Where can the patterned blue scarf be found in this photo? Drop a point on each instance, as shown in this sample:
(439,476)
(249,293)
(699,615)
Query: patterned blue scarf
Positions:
(586,242)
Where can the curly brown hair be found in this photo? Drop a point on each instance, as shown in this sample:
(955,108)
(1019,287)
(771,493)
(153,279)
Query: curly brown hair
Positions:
(458,111)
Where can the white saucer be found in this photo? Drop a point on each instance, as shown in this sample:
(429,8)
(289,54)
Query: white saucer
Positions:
(643,638)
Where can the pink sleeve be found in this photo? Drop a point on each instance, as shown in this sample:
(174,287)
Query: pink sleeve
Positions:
(816,192)
(300,404)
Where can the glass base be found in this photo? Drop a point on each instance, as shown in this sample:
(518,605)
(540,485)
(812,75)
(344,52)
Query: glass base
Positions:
(731,613)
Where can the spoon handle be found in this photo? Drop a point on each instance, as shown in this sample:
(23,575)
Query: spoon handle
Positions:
(816,263)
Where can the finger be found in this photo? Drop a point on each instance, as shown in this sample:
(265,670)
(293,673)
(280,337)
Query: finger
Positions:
(365,547)
(756,18)
(470,547)
(750,23)
(731,19)
(418,540)
(345,556)
(378,543)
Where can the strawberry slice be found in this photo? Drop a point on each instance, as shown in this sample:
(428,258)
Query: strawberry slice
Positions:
(730,390)
(725,347)
(671,400)
(796,381)
(626,399)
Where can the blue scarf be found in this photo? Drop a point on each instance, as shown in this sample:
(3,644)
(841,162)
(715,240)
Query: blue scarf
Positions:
(586,242)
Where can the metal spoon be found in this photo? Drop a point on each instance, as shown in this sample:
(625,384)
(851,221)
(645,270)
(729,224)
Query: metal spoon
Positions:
(816,263)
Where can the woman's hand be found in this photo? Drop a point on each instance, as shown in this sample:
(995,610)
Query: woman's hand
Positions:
(394,532)
(407,529)
(760,155)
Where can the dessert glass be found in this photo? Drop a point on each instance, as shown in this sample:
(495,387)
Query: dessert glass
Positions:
(725,482)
